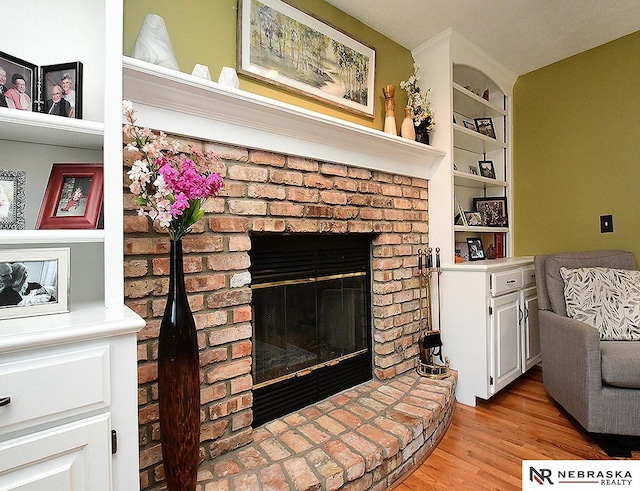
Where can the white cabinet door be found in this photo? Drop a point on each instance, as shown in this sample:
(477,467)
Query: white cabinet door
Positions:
(505,333)
(72,457)
(531,352)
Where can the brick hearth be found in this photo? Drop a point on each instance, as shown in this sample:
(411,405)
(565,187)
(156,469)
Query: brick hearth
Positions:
(266,192)
(364,438)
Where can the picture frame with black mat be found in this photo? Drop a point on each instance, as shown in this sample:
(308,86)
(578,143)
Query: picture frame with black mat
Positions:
(492,210)
(487,169)
(476,250)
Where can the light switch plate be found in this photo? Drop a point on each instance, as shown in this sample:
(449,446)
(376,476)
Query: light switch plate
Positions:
(606,224)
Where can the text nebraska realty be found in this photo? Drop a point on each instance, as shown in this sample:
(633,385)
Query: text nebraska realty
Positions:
(606,478)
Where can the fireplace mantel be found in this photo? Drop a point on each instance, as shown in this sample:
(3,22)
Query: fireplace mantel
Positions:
(183,104)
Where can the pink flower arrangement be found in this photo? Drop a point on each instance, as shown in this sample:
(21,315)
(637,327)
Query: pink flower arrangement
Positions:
(170,186)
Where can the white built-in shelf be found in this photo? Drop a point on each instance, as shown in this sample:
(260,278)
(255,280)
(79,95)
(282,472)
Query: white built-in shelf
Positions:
(474,106)
(84,321)
(475,142)
(56,236)
(183,104)
(45,129)
(468,180)
(480,230)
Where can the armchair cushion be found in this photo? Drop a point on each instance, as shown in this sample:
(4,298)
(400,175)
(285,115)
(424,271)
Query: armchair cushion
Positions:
(550,284)
(620,364)
(608,299)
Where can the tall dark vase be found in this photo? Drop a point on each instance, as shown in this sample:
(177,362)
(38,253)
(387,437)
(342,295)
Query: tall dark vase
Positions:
(179,383)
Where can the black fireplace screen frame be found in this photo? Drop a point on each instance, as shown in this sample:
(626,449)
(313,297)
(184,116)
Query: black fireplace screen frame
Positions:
(293,277)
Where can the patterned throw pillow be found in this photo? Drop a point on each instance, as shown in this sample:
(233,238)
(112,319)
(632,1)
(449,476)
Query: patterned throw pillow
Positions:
(608,299)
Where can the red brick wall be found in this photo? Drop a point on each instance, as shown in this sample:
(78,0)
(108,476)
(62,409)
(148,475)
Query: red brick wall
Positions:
(265,192)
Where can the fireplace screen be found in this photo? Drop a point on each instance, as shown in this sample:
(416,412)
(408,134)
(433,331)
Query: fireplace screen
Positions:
(311,315)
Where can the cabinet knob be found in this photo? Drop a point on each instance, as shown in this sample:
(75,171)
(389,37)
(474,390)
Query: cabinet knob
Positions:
(5,401)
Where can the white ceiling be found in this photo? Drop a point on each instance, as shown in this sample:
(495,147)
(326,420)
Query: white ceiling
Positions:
(522,35)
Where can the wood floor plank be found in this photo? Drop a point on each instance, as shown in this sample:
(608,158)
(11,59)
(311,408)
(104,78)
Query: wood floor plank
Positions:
(484,447)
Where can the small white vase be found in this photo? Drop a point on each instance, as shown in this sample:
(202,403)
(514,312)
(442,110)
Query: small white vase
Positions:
(153,43)
(407,129)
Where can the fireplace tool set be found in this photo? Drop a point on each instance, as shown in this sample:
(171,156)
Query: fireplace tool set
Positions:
(430,341)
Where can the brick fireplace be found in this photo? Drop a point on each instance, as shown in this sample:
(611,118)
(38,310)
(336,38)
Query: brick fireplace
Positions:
(281,194)
(314,174)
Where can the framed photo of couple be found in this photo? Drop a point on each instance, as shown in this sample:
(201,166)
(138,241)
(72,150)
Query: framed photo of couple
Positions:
(51,89)
(62,90)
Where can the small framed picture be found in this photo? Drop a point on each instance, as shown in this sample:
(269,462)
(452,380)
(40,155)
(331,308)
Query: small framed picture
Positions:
(12,199)
(484,126)
(462,250)
(34,282)
(492,210)
(469,125)
(474,219)
(473,170)
(73,197)
(62,90)
(18,83)
(476,251)
(487,169)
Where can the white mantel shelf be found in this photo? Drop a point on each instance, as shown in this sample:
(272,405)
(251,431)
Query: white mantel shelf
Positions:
(183,104)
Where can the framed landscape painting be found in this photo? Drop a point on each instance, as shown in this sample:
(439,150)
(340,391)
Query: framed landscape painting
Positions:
(284,46)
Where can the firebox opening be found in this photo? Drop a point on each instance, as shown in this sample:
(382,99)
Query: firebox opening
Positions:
(311,319)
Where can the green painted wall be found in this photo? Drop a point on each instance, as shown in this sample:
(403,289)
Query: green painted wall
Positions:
(204,31)
(576,152)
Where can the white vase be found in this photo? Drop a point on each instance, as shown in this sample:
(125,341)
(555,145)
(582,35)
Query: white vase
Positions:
(407,129)
(153,43)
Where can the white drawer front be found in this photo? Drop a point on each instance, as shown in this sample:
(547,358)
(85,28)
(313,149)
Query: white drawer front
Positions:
(506,281)
(529,276)
(48,388)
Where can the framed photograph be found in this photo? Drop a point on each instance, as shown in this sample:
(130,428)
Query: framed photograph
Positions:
(484,126)
(281,45)
(462,250)
(474,219)
(487,169)
(473,170)
(34,282)
(469,125)
(492,210)
(62,90)
(73,197)
(18,83)
(476,251)
(12,199)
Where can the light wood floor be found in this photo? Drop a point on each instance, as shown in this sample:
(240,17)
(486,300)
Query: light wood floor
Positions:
(485,445)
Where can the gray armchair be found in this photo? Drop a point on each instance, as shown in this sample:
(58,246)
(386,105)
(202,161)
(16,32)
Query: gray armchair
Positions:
(597,382)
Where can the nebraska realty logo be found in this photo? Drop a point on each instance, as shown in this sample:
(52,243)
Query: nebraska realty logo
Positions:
(580,474)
